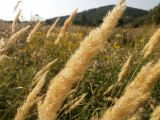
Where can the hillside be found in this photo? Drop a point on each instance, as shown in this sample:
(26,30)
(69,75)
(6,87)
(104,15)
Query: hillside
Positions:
(93,17)
(153,15)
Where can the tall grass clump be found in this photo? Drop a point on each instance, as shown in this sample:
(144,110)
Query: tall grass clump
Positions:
(121,76)
(135,93)
(61,84)
(31,99)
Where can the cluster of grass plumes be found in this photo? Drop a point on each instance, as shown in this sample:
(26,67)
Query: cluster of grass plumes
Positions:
(94,88)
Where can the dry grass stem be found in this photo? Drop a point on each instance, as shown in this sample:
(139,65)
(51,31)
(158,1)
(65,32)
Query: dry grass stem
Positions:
(76,103)
(113,100)
(109,90)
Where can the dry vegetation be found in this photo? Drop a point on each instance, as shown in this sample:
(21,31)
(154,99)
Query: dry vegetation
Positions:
(79,73)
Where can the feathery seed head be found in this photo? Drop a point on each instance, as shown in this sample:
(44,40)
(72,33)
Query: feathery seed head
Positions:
(24,109)
(66,25)
(42,71)
(36,27)
(61,84)
(155,39)
(16,35)
(156,114)
(14,24)
(124,69)
(16,6)
(52,27)
(135,93)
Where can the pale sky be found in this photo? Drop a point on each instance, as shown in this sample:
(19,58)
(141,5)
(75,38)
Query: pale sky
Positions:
(53,8)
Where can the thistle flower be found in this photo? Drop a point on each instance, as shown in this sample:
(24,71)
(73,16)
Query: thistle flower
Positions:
(14,24)
(22,111)
(37,26)
(52,27)
(66,25)
(156,114)
(61,84)
(155,39)
(135,93)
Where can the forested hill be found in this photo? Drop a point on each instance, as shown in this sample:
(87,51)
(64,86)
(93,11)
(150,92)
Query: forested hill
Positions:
(153,16)
(94,17)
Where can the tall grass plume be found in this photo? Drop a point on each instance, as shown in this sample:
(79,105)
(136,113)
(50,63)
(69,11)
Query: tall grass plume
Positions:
(66,25)
(73,71)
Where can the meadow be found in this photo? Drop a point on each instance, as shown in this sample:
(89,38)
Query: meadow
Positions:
(112,73)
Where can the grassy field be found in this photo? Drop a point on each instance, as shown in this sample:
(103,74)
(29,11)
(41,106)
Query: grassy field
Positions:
(25,60)
(90,96)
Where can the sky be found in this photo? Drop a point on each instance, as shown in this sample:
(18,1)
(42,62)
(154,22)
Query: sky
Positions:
(53,8)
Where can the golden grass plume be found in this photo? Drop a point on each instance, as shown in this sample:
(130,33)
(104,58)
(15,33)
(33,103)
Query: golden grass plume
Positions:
(16,6)
(52,27)
(135,94)
(14,24)
(61,84)
(124,69)
(33,31)
(155,39)
(42,71)
(15,36)
(66,25)
(22,111)
(156,114)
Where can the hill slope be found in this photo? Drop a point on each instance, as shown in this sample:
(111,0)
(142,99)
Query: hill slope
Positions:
(153,16)
(93,17)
